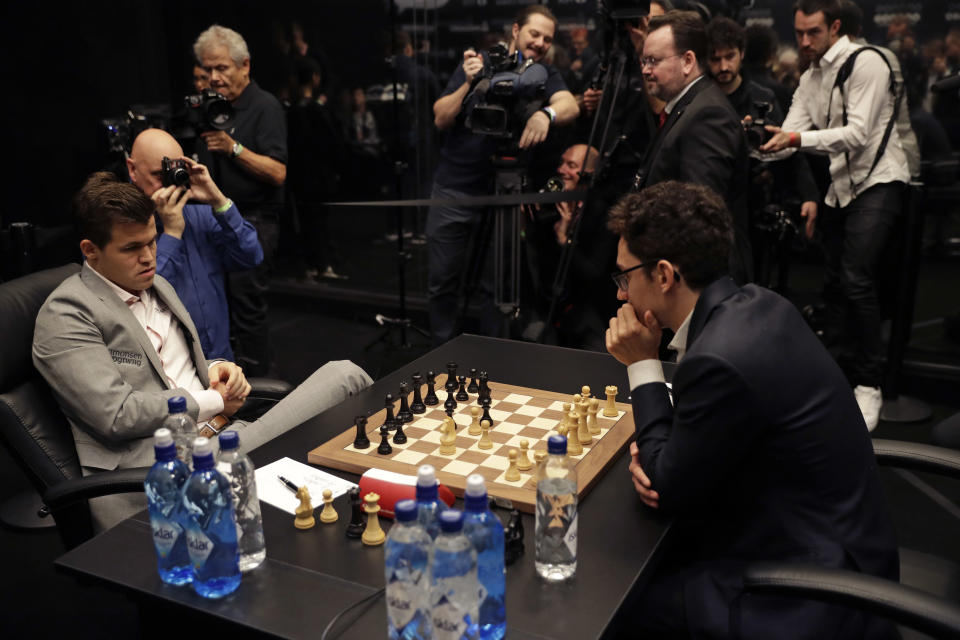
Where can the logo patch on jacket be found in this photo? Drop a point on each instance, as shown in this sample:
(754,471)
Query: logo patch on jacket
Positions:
(127,357)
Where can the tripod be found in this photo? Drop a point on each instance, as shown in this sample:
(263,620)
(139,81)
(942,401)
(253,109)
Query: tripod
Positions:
(501,228)
(403,322)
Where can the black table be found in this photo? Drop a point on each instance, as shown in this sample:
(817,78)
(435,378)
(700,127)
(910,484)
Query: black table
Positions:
(311,576)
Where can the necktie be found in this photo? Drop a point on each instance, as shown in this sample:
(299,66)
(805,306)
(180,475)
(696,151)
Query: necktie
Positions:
(663,118)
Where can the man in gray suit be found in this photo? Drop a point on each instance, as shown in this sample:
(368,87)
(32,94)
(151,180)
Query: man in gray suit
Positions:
(114,342)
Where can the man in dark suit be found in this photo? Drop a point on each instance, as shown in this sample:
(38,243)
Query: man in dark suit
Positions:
(761,456)
(701,139)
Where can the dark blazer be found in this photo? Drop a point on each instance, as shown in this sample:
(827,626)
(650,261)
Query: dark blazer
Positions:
(702,142)
(763,456)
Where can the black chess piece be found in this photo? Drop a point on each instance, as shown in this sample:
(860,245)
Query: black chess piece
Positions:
(431,398)
(462,393)
(513,539)
(404,414)
(361,441)
(399,437)
(486,411)
(484,385)
(356,526)
(473,387)
(384,449)
(451,371)
(417,406)
(391,421)
(450,405)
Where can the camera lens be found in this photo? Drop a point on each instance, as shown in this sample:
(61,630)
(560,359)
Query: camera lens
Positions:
(181,177)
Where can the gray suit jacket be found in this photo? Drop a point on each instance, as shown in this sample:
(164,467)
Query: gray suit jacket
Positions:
(105,372)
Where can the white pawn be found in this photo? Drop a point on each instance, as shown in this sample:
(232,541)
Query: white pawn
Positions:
(523,461)
(513,473)
(485,441)
(475,429)
(329,514)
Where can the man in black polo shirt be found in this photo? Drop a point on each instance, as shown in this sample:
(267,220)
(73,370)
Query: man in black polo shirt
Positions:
(249,162)
(466,169)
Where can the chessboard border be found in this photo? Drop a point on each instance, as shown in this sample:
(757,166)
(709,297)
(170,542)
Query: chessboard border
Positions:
(590,468)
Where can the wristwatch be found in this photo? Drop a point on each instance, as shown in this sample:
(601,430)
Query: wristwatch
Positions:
(550,113)
(237,148)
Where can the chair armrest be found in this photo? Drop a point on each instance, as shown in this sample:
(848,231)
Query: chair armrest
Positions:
(892,600)
(67,500)
(93,486)
(917,456)
(269,388)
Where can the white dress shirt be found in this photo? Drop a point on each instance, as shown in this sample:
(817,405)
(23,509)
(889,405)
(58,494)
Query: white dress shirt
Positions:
(869,109)
(647,371)
(668,109)
(168,339)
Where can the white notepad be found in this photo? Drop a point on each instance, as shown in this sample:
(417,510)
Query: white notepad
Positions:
(272,490)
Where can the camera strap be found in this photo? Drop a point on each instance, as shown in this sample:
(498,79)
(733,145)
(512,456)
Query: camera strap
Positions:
(896,91)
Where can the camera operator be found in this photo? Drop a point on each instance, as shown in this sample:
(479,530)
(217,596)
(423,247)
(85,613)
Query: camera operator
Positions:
(701,140)
(853,123)
(726,42)
(466,169)
(199,243)
(249,163)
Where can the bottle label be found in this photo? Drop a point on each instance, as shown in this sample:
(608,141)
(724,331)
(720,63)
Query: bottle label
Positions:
(559,510)
(571,538)
(401,604)
(448,622)
(165,534)
(199,546)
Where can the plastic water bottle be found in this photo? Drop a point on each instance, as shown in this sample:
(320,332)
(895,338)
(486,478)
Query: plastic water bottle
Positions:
(485,531)
(237,467)
(182,426)
(454,588)
(163,485)
(207,513)
(556,521)
(407,555)
(428,505)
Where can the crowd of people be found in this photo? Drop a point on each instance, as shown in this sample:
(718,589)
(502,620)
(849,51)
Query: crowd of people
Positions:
(761,450)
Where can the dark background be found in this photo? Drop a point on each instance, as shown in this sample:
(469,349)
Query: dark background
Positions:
(67,66)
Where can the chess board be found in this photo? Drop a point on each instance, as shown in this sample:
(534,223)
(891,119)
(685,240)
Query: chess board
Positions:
(519,413)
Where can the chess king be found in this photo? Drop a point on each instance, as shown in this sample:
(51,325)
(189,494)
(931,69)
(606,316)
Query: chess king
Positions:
(763,454)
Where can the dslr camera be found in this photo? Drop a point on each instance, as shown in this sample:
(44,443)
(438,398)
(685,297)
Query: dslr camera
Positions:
(174,172)
(208,110)
(507,92)
(756,131)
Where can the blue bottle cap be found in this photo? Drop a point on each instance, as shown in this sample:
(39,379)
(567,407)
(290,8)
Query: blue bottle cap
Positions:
(451,521)
(405,510)
(229,440)
(557,444)
(177,404)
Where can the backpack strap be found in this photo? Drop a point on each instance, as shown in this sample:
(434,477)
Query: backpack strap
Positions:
(896,90)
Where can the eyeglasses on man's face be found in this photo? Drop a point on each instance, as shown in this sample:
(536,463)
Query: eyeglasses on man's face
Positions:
(650,61)
(622,278)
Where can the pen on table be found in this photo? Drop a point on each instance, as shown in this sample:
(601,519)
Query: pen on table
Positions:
(289,484)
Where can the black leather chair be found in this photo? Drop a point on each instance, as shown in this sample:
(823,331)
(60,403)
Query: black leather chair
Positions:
(35,430)
(926,599)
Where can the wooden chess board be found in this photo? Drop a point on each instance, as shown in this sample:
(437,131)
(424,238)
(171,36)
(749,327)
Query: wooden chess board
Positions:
(519,413)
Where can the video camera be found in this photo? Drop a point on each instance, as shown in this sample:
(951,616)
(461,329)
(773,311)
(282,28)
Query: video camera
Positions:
(507,92)
(174,172)
(756,130)
(209,110)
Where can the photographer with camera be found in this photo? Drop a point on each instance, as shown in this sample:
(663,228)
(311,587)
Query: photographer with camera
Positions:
(200,242)
(249,161)
(845,106)
(466,169)
(757,106)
